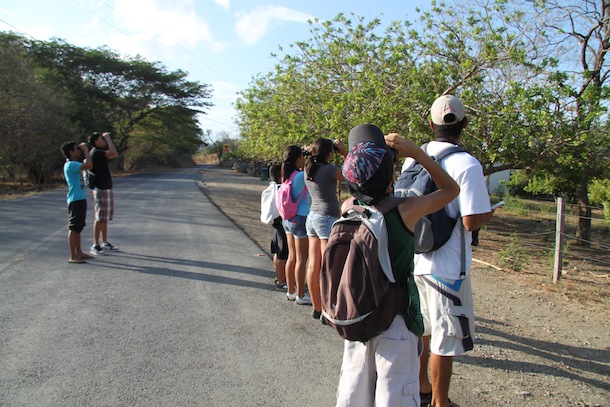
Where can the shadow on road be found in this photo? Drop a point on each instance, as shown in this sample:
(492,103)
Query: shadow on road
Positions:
(169,272)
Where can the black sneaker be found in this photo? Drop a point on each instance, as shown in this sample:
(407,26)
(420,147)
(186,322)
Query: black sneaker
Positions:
(426,399)
(318,315)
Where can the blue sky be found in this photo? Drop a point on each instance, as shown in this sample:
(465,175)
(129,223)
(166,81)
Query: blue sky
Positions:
(224,43)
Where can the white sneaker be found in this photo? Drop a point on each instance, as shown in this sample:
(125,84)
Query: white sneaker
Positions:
(96,250)
(304,300)
(291,297)
(108,247)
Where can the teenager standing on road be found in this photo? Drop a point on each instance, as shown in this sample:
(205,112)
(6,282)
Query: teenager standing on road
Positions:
(103,150)
(384,370)
(446,296)
(77,198)
(295,227)
(279,242)
(321,180)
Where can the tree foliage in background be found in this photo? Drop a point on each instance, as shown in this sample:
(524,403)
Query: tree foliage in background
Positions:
(33,123)
(532,106)
(578,36)
(164,136)
(105,91)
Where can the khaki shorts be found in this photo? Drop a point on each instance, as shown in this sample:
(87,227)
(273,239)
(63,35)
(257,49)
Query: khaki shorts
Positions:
(383,371)
(104,204)
(448,314)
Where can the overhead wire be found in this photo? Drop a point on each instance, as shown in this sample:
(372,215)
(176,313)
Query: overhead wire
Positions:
(12,26)
(214,71)
(204,115)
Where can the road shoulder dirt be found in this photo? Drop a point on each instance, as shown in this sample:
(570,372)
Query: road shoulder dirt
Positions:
(533,347)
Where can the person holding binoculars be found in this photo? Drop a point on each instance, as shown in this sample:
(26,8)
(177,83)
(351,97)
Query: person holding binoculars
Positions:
(102,151)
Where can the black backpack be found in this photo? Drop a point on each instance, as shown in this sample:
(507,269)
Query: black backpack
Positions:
(360,294)
(90,179)
(433,230)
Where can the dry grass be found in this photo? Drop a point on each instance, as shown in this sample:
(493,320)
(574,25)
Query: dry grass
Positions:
(586,272)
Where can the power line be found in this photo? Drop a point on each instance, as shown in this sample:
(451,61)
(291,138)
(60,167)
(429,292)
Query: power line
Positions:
(167,48)
(113,26)
(17,29)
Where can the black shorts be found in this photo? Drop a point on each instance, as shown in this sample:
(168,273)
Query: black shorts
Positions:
(77,212)
(279,245)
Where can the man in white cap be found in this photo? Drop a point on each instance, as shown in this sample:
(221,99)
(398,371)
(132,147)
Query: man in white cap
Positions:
(443,275)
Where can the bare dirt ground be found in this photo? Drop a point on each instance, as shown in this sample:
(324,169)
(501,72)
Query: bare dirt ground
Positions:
(537,343)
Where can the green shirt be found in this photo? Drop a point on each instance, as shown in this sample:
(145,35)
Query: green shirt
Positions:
(402,252)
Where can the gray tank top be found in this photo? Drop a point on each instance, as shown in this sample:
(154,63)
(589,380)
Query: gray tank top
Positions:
(323,191)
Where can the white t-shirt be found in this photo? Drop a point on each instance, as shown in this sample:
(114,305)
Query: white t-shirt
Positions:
(473,199)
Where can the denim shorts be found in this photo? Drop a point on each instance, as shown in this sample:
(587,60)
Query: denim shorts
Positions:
(319,225)
(295,226)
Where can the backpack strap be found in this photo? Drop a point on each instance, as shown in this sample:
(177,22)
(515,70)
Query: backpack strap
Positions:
(463,250)
(448,151)
(375,221)
(387,203)
(290,179)
(301,195)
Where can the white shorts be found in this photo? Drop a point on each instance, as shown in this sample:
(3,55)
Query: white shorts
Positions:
(383,371)
(448,314)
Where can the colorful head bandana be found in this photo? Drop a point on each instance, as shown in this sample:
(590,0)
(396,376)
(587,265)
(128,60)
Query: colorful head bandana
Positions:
(369,165)
(362,162)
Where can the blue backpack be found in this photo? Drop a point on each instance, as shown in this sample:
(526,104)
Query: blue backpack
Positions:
(431,231)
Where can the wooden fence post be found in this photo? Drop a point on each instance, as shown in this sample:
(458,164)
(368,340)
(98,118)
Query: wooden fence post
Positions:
(561,212)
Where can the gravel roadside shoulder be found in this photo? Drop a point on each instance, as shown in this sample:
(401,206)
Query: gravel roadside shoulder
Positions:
(533,348)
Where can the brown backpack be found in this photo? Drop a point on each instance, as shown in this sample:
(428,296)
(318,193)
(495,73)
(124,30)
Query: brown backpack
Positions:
(360,294)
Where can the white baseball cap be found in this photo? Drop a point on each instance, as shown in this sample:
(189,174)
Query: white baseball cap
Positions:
(447,110)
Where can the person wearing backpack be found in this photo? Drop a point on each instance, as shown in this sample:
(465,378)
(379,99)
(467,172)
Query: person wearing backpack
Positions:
(270,216)
(443,275)
(279,241)
(384,370)
(293,198)
(321,180)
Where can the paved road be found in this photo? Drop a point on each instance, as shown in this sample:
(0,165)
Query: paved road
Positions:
(183,315)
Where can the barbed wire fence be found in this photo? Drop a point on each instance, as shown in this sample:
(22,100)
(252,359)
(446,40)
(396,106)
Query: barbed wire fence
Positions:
(559,239)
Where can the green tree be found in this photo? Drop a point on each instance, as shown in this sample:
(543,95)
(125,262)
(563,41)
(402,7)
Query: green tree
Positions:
(530,106)
(572,120)
(116,93)
(32,120)
(164,137)
(55,90)
(346,73)
(217,145)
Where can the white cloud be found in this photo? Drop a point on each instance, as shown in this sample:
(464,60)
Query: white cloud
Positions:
(252,26)
(169,23)
(223,3)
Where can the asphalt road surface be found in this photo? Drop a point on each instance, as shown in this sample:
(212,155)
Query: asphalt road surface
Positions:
(183,315)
